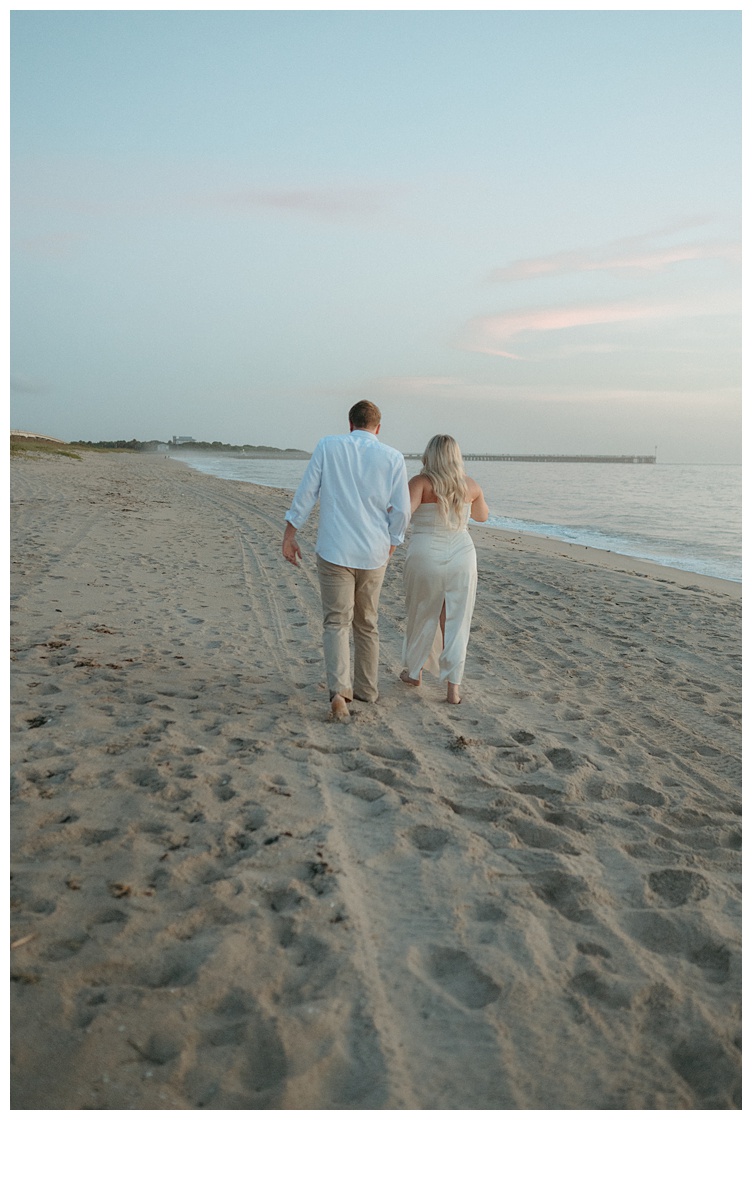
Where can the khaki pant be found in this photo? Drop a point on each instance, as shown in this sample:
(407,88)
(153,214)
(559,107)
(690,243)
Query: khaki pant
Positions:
(350,599)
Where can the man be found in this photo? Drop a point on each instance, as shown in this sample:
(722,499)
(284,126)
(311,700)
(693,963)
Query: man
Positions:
(364,510)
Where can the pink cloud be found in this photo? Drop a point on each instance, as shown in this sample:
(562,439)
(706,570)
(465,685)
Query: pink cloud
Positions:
(488,335)
(631,255)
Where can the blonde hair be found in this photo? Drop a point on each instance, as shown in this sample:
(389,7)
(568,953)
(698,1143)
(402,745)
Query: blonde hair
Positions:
(444,468)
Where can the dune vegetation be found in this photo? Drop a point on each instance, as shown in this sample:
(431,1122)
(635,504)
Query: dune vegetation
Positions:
(27,445)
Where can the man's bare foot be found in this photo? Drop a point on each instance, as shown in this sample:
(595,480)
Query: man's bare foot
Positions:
(340,710)
(407,679)
(453,693)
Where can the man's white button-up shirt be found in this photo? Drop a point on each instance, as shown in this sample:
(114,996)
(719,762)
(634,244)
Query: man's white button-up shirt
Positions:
(364,501)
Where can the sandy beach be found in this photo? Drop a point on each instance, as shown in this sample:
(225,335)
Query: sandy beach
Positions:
(222,900)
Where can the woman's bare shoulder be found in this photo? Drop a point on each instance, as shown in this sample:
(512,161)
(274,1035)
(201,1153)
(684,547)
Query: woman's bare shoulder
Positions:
(473,489)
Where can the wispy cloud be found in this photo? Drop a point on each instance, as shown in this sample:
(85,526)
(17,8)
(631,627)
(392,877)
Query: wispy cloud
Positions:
(330,203)
(147,195)
(458,390)
(489,334)
(434,387)
(629,256)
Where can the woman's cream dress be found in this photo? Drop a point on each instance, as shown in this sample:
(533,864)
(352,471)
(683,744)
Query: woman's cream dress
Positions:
(440,567)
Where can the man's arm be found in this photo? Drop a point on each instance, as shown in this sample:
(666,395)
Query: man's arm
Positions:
(399,510)
(302,507)
(308,491)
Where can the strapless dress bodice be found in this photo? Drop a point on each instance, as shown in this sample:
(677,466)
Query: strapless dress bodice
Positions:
(427,518)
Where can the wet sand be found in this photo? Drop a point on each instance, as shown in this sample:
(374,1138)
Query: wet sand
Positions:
(222,900)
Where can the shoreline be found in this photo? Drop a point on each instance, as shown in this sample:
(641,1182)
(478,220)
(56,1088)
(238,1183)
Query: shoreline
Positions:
(222,899)
(609,560)
(581,552)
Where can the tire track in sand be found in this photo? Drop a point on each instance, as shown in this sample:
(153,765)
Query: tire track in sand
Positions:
(271,627)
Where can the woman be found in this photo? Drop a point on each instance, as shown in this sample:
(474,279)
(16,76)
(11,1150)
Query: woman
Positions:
(440,566)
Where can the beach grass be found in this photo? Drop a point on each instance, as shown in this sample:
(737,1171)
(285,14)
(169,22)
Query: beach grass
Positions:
(24,445)
(104,449)
(27,445)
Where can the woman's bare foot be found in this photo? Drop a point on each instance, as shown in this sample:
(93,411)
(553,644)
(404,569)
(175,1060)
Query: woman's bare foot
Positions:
(407,679)
(340,711)
(453,693)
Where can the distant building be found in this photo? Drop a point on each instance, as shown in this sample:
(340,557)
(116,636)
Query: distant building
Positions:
(182,441)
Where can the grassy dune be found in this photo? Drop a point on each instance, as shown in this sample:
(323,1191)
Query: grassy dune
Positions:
(26,445)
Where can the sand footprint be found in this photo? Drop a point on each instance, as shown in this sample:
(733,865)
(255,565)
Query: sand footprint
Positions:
(456,973)
(707,1067)
(540,790)
(148,778)
(378,797)
(593,949)
(66,948)
(484,813)
(562,759)
(541,837)
(429,839)
(714,959)
(283,899)
(365,789)
(176,966)
(639,793)
(383,775)
(665,935)
(407,759)
(110,917)
(242,1062)
(88,1002)
(223,791)
(593,986)
(487,911)
(676,887)
(523,737)
(564,892)
(564,819)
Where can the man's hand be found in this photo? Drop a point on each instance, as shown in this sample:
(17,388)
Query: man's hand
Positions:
(391,551)
(290,547)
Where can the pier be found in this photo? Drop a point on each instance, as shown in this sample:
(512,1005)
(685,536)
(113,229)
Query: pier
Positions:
(556,458)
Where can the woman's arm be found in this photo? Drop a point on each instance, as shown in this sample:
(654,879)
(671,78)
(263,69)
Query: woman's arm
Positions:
(416,486)
(478,506)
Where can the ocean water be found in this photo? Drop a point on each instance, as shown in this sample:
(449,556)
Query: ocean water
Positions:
(683,516)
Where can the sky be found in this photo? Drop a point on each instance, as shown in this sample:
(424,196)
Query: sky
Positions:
(519,227)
